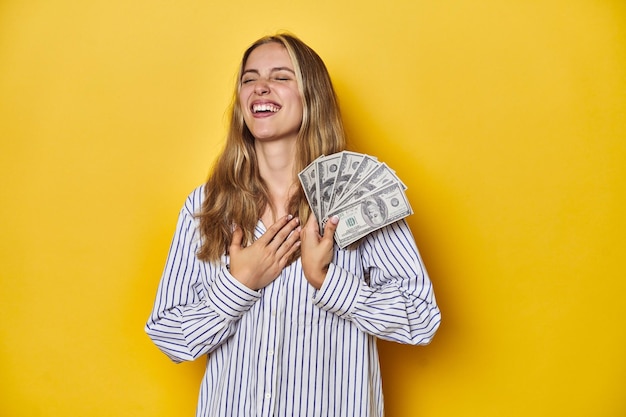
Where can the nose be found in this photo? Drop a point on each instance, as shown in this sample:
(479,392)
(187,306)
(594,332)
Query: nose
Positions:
(261,87)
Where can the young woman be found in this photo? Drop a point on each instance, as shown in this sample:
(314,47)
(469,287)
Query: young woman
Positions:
(288,320)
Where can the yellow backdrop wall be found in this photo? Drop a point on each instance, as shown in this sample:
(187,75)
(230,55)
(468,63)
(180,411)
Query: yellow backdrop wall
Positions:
(507,120)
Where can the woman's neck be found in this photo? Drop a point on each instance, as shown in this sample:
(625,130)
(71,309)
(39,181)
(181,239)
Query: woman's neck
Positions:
(276,166)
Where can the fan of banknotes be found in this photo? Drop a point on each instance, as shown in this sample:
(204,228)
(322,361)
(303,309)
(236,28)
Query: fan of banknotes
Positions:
(364,193)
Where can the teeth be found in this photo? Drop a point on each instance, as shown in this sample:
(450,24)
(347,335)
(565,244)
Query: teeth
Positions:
(264,107)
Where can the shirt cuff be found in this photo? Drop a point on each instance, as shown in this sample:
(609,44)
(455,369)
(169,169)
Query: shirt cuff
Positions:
(229,297)
(339,293)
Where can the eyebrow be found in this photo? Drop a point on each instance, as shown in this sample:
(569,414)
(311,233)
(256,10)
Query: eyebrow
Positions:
(275,69)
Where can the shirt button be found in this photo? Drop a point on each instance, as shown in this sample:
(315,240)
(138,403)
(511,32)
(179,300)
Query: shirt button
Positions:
(268,395)
(270,352)
(273,313)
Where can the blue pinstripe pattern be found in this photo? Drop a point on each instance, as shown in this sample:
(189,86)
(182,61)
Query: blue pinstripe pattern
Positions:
(289,349)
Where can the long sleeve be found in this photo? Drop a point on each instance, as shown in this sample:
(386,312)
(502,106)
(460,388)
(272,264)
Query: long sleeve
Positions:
(397,302)
(198,304)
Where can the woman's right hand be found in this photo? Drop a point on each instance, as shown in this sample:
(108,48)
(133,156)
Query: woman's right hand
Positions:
(257,265)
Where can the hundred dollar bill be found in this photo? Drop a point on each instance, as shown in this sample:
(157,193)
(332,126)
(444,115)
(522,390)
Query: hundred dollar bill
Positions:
(375,210)
(308,179)
(327,169)
(378,178)
(348,164)
(367,165)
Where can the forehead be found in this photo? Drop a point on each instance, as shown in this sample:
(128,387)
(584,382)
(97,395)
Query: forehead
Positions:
(268,55)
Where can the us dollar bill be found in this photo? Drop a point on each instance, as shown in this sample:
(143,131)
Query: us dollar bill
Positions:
(367,165)
(308,179)
(348,165)
(372,212)
(381,176)
(327,169)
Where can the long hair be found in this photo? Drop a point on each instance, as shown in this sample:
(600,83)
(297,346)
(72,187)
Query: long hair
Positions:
(235,193)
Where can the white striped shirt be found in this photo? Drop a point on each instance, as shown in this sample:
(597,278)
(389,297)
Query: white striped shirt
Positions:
(289,349)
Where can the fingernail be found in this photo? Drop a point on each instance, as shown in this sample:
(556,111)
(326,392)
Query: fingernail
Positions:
(334,219)
(289,217)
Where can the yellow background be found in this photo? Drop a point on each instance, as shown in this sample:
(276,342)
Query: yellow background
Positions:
(506,119)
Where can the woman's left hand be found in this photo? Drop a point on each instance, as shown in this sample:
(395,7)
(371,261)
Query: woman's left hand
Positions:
(317,250)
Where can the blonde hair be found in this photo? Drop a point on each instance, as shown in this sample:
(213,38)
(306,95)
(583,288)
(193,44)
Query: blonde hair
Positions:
(235,193)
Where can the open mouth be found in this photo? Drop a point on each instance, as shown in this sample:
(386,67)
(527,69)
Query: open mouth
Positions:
(265,108)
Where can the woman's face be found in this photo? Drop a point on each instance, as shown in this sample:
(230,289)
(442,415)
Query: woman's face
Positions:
(270,100)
